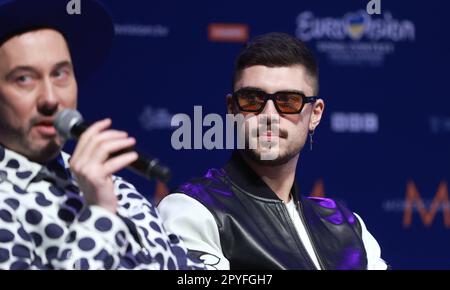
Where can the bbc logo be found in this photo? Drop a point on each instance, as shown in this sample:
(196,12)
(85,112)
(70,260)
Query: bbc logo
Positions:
(354,122)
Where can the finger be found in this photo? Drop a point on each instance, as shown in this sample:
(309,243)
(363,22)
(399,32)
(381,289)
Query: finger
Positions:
(120,162)
(87,135)
(107,148)
(92,146)
(95,128)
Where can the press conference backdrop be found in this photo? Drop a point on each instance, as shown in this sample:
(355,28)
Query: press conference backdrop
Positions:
(383,146)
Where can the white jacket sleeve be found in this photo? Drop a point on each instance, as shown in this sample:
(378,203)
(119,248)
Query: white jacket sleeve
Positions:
(374,260)
(194,223)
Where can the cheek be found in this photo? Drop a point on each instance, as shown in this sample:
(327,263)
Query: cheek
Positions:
(297,129)
(68,97)
(17,114)
(17,108)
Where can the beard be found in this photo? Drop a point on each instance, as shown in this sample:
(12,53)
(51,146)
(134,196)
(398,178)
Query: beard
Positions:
(22,142)
(282,156)
(281,159)
(44,154)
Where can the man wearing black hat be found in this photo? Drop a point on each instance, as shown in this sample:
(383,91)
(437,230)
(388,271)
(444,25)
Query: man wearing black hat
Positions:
(58,212)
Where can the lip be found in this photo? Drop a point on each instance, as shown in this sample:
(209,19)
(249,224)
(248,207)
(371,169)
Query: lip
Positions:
(46,121)
(46,128)
(270,134)
(267,135)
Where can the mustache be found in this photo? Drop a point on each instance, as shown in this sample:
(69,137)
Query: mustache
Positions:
(257,132)
(266,123)
(45,115)
(42,120)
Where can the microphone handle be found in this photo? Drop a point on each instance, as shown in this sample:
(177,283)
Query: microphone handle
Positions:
(144,165)
(150,168)
(79,129)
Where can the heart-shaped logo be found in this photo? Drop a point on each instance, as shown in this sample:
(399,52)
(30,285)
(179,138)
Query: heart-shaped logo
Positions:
(357,23)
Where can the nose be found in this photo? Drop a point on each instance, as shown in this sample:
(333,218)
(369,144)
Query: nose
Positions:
(269,114)
(270,108)
(48,101)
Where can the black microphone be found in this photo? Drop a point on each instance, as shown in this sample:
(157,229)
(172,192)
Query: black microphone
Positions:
(70,125)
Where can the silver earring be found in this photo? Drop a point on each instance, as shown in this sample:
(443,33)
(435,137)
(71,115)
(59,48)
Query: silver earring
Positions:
(311,141)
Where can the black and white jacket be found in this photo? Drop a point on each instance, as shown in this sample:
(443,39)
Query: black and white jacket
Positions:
(232,220)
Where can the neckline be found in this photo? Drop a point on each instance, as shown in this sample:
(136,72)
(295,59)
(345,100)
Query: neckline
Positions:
(243,176)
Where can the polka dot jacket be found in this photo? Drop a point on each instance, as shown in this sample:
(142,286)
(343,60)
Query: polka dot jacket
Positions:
(46,224)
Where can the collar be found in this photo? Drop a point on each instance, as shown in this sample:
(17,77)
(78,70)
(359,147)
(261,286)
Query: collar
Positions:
(20,171)
(243,176)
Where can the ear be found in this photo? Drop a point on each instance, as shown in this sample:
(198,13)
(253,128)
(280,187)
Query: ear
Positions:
(230,104)
(316,114)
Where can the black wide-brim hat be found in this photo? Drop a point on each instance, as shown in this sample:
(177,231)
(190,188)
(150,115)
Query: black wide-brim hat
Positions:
(89,34)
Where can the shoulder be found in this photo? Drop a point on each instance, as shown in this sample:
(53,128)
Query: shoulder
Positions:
(188,217)
(330,204)
(331,209)
(196,225)
(206,189)
(180,208)
(180,203)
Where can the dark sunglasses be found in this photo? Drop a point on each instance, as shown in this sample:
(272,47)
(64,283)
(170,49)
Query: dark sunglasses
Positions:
(253,100)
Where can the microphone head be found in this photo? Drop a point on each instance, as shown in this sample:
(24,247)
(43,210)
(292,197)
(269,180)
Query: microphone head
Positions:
(65,120)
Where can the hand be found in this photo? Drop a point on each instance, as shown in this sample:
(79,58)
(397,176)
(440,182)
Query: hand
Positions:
(93,167)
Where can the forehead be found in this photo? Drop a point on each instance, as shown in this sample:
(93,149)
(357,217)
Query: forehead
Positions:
(273,79)
(34,48)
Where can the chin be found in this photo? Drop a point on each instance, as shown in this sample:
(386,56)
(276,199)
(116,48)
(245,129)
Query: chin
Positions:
(45,152)
(279,159)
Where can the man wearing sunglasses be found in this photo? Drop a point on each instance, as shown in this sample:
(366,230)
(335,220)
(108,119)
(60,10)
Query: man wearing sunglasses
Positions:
(248,214)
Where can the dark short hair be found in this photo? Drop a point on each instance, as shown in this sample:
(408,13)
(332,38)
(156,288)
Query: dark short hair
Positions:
(277,50)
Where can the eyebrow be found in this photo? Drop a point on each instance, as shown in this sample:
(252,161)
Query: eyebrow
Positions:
(62,64)
(18,69)
(282,91)
(31,69)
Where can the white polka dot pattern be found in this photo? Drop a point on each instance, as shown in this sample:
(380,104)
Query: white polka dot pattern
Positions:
(45,223)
